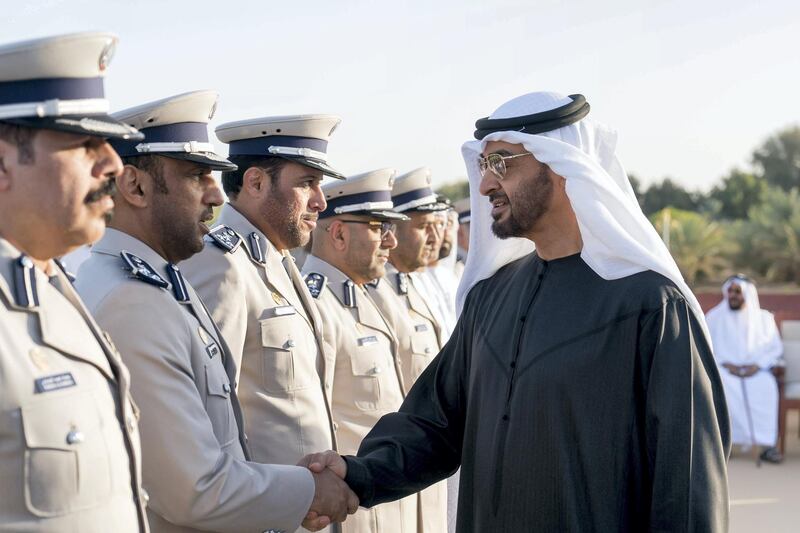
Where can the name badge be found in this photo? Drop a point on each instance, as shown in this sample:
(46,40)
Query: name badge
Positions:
(421,327)
(54,382)
(212,350)
(285,310)
(367,341)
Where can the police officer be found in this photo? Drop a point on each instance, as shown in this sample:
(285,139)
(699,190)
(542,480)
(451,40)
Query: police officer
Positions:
(400,301)
(195,454)
(462,207)
(254,290)
(350,248)
(69,443)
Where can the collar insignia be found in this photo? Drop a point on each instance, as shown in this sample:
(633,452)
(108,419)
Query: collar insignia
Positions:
(141,270)
(402,283)
(255,248)
(225,238)
(315,283)
(349,289)
(25,292)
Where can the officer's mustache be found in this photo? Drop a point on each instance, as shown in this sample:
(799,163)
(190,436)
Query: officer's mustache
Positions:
(107,189)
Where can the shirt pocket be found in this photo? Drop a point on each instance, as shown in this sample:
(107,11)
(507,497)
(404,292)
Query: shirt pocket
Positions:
(284,343)
(422,353)
(218,403)
(369,368)
(67,466)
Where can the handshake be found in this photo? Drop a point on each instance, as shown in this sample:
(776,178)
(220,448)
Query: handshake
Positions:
(333,499)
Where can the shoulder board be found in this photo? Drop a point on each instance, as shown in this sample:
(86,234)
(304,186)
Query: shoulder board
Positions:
(315,283)
(25,292)
(402,283)
(225,238)
(60,264)
(256,251)
(141,270)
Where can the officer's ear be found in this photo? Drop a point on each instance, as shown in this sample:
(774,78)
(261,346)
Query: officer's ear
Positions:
(130,186)
(254,182)
(338,234)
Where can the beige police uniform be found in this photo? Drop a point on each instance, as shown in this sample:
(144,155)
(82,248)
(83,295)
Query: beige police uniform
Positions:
(418,343)
(367,380)
(195,466)
(69,442)
(275,333)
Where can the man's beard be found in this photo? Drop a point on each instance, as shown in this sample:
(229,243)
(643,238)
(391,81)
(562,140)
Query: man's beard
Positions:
(181,236)
(285,220)
(529,203)
(444,251)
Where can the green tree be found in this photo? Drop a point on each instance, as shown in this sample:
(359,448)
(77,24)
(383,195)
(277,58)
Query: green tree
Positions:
(778,159)
(769,241)
(737,194)
(636,184)
(701,247)
(455,190)
(667,194)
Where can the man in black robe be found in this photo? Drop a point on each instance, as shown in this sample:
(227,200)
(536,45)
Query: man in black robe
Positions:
(574,397)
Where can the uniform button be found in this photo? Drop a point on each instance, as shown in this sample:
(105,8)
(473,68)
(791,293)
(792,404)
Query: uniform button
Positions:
(505,417)
(513,364)
(290,343)
(75,437)
(427,351)
(226,387)
(145,497)
(376,370)
(131,423)
(335,426)
(328,386)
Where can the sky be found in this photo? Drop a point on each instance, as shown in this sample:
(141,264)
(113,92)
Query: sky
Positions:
(692,87)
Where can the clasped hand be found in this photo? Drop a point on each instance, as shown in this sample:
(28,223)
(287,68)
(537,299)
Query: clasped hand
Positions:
(333,499)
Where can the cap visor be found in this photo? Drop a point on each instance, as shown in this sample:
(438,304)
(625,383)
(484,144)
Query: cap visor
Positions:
(386,215)
(95,125)
(427,208)
(208,159)
(314,163)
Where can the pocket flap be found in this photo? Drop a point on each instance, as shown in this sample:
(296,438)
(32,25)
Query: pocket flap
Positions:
(47,424)
(217,385)
(276,333)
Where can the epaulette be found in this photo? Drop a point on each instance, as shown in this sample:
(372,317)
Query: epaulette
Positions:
(256,252)
(315,283)
(402,283)
(225,238)
(60,264)
(142,271)
(349,289)
(178,284)
(25,292)
(374,283)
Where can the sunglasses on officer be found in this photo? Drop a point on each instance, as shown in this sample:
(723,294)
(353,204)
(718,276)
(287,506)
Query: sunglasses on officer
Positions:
(385,227)
(497,163)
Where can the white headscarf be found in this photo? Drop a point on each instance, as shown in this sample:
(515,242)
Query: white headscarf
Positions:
(743,336)
(618,240)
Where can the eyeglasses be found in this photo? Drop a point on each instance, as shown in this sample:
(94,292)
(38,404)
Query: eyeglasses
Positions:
(497,163)
(385,227)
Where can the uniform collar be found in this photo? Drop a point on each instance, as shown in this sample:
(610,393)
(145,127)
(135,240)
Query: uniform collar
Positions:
(231,217)
(114,241)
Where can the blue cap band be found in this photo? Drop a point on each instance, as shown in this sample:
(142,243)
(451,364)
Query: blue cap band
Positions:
(23,91)
(260,145)
(355,199)
(410,196)
(170,133)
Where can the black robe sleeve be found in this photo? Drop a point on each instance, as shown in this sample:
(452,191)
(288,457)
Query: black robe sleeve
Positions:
(420,444)
(686,458)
